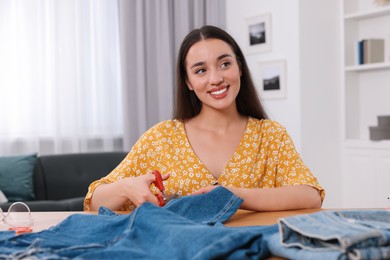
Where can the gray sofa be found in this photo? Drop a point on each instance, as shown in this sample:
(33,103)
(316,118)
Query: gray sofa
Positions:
(60,182)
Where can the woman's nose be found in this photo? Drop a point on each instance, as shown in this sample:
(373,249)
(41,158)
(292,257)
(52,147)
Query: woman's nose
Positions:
(216,78)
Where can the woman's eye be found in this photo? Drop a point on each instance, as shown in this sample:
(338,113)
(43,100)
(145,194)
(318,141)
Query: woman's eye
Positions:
(225,64)
(200,71)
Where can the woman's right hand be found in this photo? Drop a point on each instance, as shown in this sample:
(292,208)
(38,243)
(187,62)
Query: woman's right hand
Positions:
(137,189)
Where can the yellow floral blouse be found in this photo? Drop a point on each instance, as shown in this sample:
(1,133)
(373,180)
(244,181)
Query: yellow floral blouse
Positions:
(266,157)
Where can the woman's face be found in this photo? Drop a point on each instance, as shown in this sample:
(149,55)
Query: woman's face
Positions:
(213,73)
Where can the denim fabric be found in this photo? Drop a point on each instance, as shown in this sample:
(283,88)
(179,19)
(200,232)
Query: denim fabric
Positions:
(349,234)
(210,208)
(187,228)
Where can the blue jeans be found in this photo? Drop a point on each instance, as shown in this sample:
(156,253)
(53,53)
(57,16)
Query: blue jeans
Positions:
(187,228)
(348,234)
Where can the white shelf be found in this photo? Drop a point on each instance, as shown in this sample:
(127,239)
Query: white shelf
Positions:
(368,14)
(365,95)
(368,67)
(366,86)
(367,144)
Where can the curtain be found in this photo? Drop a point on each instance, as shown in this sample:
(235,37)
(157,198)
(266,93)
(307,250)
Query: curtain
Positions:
(151,32)
(60,84)
(90,75)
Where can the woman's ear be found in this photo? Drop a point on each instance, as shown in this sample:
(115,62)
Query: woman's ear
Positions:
(189,86)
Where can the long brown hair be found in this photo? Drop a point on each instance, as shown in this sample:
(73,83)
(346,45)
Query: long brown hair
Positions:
(187,103)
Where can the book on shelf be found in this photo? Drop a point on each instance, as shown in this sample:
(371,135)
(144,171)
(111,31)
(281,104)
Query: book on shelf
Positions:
(370,51)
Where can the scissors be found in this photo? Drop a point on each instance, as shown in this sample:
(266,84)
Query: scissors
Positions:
(164,198)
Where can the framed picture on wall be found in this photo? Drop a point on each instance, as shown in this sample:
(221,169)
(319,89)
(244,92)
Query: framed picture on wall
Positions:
(259,35)
(271,79)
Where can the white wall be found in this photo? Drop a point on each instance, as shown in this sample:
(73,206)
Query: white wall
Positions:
(284,46)
(306,34)
(320,63)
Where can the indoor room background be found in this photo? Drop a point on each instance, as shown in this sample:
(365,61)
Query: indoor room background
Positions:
(90,76)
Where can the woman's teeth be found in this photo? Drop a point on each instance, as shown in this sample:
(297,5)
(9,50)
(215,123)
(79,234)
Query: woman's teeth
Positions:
(218,92)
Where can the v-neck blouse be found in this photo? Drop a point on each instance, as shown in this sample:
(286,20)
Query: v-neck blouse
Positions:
(265,158)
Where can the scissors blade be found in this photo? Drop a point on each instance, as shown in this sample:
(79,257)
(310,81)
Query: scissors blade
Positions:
(160,185)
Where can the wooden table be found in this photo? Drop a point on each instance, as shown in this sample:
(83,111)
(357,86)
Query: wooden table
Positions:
(44,220)
(252,218)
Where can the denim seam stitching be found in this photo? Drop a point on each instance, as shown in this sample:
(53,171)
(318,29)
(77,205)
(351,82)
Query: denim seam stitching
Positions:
(228,205)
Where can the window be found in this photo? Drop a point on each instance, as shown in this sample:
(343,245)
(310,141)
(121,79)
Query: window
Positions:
(60,84)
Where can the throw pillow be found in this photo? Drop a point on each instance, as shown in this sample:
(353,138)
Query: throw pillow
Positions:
(16,177)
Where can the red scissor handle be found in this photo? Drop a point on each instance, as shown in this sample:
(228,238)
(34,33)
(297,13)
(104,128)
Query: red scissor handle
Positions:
(158,182)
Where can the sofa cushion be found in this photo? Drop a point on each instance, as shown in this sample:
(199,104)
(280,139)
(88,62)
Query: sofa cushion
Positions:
(16,177)
(61,181)
(69,175)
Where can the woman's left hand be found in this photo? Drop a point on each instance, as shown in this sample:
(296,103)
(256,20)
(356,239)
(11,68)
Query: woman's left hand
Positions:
(204,190)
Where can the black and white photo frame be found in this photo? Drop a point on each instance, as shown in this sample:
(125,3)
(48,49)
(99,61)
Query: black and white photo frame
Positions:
(259,34)
(271,79)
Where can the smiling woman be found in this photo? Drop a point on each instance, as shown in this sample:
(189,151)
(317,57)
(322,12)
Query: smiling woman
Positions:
(57,95)
(220,135)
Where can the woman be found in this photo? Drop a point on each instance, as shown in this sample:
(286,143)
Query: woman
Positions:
(220,135)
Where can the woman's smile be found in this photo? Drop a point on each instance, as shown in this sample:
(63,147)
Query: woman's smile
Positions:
(220,92)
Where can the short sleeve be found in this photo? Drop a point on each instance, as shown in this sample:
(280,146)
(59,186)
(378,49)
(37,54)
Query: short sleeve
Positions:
(290,169)
(136,162)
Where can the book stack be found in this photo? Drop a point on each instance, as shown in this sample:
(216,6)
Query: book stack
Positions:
(370,51)
(382,131)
